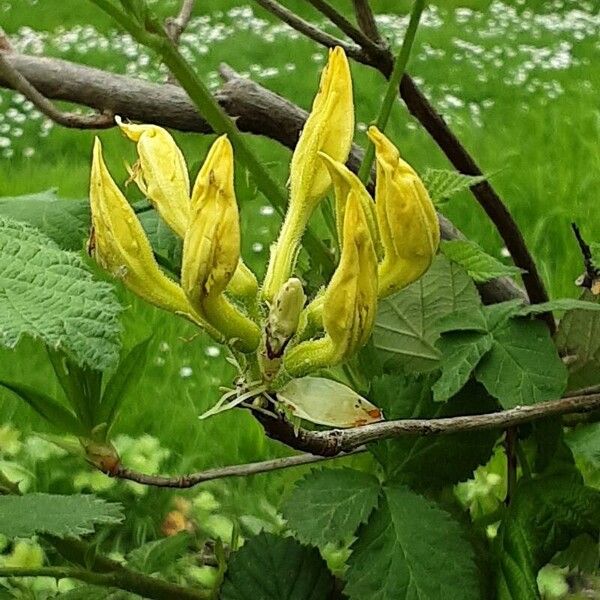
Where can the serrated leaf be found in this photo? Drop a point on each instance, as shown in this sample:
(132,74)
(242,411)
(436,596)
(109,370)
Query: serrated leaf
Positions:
(431,462)
(480,266)
(64,221)
(407,323)
(329,505)
(61,516)
(276,568)
(461,353)
(578,337)
(127,375)
(154,556)
(410,548)
(47,407)
(442,184)
(545,514)
(523,366)
(47,293)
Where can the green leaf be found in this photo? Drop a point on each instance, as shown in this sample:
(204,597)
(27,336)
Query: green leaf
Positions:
(584,442)
(546,513)
(479,265)
(578,337)
(128,373)
(93,592)
(65,221)
(167,246)
(407,322)
(442,184)
(157,555)
(461,353)
(61,516)
(48,294)
(431,462)
(48,408)
(329,505)
(275,568)
(81,385)
(410,549)
(523,366)
(559,304)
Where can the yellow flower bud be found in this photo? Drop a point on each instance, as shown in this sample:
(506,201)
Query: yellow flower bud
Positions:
(282,324)
(329,128)
(350,300)
(408,223)
(162,173)
(211,248)
(120,245)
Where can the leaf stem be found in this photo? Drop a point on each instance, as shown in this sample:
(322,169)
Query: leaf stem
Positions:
(392,88)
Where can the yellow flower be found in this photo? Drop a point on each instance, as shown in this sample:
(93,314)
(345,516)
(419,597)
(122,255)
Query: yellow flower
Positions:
(350,300)
(329,128)
(162,176)
(211,248)
(408,224)
(120,245)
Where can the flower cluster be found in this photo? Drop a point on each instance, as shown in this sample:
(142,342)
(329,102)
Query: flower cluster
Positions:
(384,244)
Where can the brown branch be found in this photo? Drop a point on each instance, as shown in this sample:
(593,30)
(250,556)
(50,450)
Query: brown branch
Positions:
(256,109)
(355,34)
(366,19)
(176,26)
(193,479)
(311,31)
(20,83)
(336,441)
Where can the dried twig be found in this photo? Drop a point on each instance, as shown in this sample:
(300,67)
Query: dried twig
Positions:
(355,34)
(20,83)
(309,30)
(176,26)
(336,441)
(366,20)
(193,479)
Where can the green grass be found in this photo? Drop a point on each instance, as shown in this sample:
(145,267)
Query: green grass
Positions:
(540,148)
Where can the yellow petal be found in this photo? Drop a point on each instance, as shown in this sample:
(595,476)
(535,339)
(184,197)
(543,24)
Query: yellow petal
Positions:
(120,244)
(406,217)
(162,175)
(350,300)
(344,181)
(329,128)
(211,248)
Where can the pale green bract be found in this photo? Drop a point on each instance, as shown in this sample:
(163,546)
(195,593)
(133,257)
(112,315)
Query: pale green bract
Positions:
(327,402)
(47,293)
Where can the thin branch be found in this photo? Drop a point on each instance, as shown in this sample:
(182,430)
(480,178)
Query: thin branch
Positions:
(356,35)
(336,441)
(67,119)
(176,26)
(131,581)
(366,20)
(311,31)
(191,480)
(510,448)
